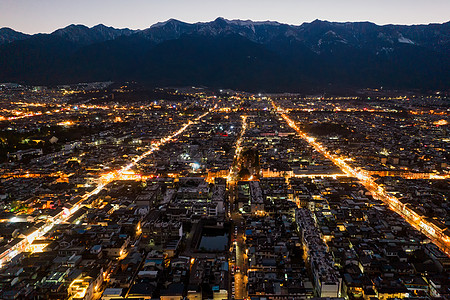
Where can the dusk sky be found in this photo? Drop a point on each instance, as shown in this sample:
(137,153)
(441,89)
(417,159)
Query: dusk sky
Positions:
(32,16)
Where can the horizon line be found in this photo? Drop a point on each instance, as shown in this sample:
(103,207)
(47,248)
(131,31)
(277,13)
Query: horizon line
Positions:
(203,22)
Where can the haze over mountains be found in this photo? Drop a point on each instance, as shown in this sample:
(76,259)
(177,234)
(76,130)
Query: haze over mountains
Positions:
(258,56)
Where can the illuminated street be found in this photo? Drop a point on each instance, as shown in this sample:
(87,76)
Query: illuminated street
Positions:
(104,180)
(235,166)
(238,234)
(437,236)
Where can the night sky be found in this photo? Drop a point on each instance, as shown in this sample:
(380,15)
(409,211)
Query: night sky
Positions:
(32,16)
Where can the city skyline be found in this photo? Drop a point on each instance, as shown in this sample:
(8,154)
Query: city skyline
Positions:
(49,15)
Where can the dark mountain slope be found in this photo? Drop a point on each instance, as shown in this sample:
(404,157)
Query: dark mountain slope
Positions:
(248,55)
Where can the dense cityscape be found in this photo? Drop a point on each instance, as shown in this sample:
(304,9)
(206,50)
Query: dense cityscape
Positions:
(110,191)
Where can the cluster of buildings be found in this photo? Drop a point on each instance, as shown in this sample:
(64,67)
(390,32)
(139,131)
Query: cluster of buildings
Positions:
(276,269)
(372,251)
(105,201)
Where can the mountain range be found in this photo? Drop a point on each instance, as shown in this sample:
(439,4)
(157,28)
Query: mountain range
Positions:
(247,55)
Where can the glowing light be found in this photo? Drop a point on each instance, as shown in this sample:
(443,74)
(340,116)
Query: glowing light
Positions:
(441,122)
(66,123)
(195,166)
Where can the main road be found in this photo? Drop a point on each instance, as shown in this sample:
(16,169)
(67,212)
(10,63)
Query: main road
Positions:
(64,215)
(240,276)
(434,232)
